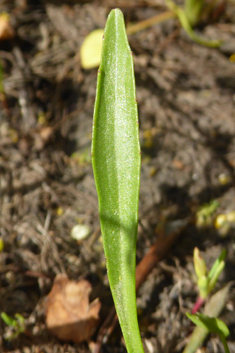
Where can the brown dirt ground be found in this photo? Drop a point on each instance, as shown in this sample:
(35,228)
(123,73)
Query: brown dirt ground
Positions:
(186,103)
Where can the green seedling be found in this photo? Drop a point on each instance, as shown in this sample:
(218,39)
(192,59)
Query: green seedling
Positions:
(82,158)
(116,166)
(213,325)
(204,215)
(16,326)
(206,281)
(213,308)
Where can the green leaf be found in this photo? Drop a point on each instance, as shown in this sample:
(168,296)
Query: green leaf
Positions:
(199,263)
(21,320)
(193,9)
(212,324)
(9,321)
(217,264)
(213,308)
(215,271)
(214,279)
(116,166)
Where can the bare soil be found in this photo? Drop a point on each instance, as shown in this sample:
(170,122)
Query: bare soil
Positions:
(186,99)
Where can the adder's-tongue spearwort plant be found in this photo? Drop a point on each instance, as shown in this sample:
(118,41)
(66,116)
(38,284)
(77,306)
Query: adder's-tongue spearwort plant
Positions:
(116,166)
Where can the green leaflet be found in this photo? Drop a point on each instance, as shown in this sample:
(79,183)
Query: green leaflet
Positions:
(211,324)
(213,308)
(116,166)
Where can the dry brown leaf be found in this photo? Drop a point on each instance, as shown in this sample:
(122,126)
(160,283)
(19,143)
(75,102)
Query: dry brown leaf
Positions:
(69,315)
(6,30)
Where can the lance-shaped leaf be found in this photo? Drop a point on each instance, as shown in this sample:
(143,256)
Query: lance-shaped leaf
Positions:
(116,166)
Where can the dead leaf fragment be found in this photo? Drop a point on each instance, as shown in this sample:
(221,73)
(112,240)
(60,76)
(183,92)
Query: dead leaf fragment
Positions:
(6,30)
(69,315)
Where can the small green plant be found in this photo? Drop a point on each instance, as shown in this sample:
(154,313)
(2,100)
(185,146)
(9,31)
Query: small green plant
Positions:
(16,326)
(213,308)
(206,281)
(205,213)
(208,322)
(116,166)
(213,325)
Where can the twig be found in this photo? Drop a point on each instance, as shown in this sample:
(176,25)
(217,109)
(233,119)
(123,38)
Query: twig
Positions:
(131,29)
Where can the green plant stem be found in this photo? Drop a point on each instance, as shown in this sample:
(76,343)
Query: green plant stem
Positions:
(223,339)
(188,29)
(198,39)
(131,29)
